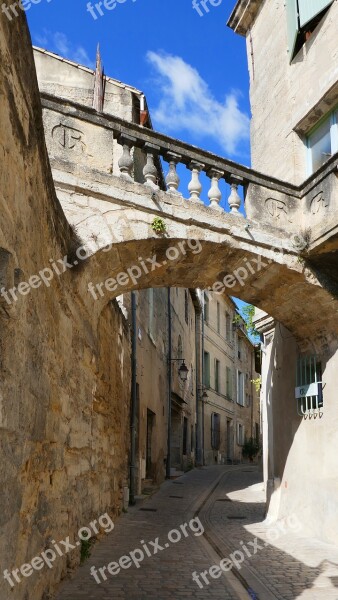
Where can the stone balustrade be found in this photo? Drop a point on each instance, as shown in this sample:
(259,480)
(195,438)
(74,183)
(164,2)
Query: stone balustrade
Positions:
(90,138)
(172,181)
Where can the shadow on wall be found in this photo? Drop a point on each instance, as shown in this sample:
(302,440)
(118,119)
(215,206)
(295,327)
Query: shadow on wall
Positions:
(297,460)
(297,572)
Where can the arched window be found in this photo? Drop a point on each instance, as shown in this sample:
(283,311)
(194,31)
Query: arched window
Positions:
(179,347)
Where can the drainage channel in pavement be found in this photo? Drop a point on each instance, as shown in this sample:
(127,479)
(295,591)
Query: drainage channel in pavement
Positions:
(253,587)
(238,583)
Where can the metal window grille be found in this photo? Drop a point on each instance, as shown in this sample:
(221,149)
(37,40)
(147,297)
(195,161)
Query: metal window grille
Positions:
(309,387)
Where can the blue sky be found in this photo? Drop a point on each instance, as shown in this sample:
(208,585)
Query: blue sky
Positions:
(192,69)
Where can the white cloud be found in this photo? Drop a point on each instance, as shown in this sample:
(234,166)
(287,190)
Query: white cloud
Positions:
(188,104)
(59,43)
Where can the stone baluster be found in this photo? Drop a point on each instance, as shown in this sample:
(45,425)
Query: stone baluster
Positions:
(195,186)
(214,193)
(150,170)
(234,198)
(126,161)
(172,179)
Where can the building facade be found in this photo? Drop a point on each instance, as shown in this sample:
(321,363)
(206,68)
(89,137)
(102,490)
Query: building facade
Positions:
(231,412)
(294,135)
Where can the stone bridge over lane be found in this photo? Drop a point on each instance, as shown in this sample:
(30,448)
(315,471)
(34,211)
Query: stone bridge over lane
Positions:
(108,176)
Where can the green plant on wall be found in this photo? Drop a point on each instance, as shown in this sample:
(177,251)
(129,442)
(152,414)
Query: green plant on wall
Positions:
(246,317)
(250,449)
(158,225)
(257,383)
(85,549)
(237,320)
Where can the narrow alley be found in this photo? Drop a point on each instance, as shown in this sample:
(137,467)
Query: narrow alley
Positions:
(227,504)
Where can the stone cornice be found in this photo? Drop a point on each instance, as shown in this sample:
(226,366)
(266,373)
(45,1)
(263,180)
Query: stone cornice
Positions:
(244,15)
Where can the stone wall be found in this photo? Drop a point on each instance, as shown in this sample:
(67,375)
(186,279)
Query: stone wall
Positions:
(65,384)
(283,94)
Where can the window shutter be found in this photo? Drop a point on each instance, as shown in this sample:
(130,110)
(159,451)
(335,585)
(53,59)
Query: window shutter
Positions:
(215,431)
(206,373)
(309,9)
(229,383)
(292,19)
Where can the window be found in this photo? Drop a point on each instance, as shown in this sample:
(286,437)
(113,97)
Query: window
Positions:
(206,307)
(228,336)
(322,143)
(240,388)
(186,306)
(218,318)
(240,434)
(258,358)
(151,312)
(309,387)
(303,17)
(206,369)
(217,375)
(179,347)
(215,431)
(185,436)
(229,382)
(239,348)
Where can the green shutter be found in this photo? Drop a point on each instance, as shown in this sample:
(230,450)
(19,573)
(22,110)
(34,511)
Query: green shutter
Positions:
(308,9)
(229,383)
(206,374)
(293,28)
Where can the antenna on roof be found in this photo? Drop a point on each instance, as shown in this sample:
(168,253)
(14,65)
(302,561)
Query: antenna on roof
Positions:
(98,83)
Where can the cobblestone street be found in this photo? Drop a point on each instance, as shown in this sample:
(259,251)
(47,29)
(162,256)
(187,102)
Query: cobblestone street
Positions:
(229,503)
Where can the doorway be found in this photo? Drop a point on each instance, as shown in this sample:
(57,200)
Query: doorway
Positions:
(150,426)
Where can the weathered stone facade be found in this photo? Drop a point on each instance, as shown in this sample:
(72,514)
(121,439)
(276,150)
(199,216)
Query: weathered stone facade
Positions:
(64,424)
(229,371)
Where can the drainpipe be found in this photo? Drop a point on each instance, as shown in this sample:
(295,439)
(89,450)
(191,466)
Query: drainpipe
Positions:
(168,464)
(252,392)
(133,400)
(198,388)
(202,378)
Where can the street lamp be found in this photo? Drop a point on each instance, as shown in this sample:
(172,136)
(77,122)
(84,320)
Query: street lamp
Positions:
(203,397)
(183,371)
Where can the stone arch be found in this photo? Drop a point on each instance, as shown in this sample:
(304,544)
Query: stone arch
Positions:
(271,278)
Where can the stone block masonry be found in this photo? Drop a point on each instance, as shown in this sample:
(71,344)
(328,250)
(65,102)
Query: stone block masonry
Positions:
(64,397)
